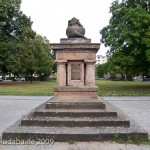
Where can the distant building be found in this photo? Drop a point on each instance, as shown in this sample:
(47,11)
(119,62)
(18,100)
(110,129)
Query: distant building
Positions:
(100,59)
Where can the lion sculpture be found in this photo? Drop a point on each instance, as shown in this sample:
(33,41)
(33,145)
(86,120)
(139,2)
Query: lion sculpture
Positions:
(75,29)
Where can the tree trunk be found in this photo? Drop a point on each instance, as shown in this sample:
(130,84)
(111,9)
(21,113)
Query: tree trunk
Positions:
(31,77)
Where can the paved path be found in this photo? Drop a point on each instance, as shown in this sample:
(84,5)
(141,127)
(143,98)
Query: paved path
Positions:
(137,108)
(13,108)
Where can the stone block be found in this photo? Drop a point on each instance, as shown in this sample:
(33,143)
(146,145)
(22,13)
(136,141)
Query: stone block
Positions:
(74,40)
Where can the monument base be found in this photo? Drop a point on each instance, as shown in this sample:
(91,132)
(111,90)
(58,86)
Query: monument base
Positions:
(77,121)
(80,91)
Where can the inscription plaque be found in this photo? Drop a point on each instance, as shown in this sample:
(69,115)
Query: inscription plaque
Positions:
(75,72)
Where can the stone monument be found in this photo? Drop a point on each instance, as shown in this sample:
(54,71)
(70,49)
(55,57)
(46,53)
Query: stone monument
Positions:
(75,112)
(75,58)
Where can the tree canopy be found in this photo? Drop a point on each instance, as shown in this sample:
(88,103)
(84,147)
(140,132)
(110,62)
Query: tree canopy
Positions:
(22,51)
(128,36)
(101,70)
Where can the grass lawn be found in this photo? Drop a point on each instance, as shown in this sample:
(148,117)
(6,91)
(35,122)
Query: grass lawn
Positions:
(106,88)
(26,88)
(123,88)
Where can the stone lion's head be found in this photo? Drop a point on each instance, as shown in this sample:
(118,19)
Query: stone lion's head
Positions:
(74,22)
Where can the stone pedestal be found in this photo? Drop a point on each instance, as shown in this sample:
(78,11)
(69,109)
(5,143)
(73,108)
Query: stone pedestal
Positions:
(75,58)
(82,92)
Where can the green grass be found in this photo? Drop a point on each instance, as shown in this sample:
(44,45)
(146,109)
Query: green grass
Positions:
(130,140)
(106,88)
(26,88)
(123,88)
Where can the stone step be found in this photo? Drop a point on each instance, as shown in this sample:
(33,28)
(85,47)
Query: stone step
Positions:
(74,122)
(73,113)
(65,134)
(75,105)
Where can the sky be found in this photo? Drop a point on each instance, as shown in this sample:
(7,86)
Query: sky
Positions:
(50,17)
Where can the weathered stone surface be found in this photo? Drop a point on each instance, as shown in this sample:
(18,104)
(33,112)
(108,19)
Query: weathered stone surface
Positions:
(65,134)
(74,40)
(75,124)
(77,55)
(72,91)
(81,54)
(75,29)
(76,46)
(75,105)
(77,89)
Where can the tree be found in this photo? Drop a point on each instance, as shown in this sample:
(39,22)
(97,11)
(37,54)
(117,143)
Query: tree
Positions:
(102,69)
(128,36)
(15,34)
(21,50)
(43,59)
(35,58)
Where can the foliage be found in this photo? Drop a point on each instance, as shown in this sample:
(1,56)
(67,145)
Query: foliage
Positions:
(130,139)
(101,69)
(21,50)
(42,57)
(71,141)
(15,30)
(128,36)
